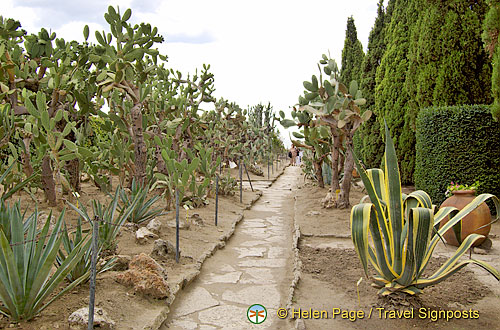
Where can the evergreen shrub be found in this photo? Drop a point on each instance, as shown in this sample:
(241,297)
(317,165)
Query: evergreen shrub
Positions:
(459,144)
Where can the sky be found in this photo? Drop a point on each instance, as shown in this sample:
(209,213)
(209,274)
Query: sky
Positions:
(259,51)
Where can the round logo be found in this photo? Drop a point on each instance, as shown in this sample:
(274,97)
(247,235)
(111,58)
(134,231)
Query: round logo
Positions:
(256,314)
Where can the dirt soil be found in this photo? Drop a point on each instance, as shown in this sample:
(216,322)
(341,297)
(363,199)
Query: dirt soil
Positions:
(331,270)
(128,310)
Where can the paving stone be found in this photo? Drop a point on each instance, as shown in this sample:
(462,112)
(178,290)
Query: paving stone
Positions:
(232,317)
(257,276)
(227,268)
(197,300)
(253,224)
(258,232)
(254,243)
(272,263)
(276,252)
(267,295)
(184,324)
(251,252)
(232,277)
(274,239)
(206,327)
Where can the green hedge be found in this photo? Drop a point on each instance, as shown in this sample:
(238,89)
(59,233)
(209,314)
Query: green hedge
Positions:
(459,144)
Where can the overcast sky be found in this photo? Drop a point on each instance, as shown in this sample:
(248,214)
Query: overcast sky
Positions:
(259,51)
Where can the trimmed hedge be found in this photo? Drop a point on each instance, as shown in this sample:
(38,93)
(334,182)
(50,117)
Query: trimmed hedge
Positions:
(459,144)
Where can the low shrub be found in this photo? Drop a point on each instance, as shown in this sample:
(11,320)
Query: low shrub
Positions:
(459,144)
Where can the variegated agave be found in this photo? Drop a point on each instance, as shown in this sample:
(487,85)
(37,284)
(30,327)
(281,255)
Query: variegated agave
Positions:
(397,233)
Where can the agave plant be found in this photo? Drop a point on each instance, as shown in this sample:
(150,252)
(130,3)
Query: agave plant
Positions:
(26,277)
(82,268)
(112,220)
(142,211)
(7,213)
(397,233)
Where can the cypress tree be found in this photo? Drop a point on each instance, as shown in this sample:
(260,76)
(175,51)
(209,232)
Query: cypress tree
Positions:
(491,38)
(448,65)
(371,144)
(391,96)
(352,55)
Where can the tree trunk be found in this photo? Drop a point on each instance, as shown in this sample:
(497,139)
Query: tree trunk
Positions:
(341,162)
(48,183)
(319,174)
(140,149)
(335,161)
(26,157)
(73,168)
(345,188)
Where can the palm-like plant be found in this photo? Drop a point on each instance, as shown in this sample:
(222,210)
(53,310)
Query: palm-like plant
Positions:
(26,264)
(143,208)
(397,233)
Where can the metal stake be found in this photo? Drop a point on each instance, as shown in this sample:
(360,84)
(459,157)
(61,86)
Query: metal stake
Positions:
(216,198)
(268,167)
(241,182)
(93,271)
(176,225)
(248,175)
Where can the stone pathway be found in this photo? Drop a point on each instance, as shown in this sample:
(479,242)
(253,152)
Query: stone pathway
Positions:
(253,268)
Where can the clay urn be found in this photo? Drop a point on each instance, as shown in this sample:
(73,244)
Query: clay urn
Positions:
(470,223)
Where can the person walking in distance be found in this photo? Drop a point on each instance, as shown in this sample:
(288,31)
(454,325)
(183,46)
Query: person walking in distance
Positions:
(293,154)
(299,156)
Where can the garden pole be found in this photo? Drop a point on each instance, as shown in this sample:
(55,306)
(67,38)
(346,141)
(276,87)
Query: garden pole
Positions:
(241,182)
(248,175)
(268,167)
(216,197)
(272,162)
(93,272)
(176,225)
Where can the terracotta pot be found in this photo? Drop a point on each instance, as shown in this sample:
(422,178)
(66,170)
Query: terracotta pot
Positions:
(355,173)
(470,224)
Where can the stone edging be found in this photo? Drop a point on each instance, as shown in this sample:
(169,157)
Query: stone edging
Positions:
(186,280)
(297,263)
(346,236)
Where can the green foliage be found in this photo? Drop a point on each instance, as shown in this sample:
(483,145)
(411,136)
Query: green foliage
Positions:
(352,55)
(458,143)
(227,185)
(368,140)
(447,62)
(491,39)
(26,277)
(81,271)
(395,232)
(391,96)
(7,213)
(112,219)
(142,211)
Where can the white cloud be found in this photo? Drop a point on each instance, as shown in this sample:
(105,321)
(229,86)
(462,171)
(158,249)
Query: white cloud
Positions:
(259,51)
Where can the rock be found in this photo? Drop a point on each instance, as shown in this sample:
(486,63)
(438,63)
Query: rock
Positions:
(42,219)
(142,235)
(129,226)
(154,226)
(197,220)
(313,213)
(163,249)
(84,177)
(486,245)
(121,263)
(329,201)
(79,320)
(146,276)
(183,224)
